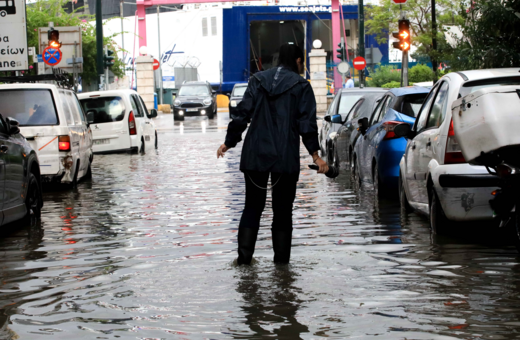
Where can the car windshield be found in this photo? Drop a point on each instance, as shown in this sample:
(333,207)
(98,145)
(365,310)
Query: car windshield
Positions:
(104,109)
(239,91)
(347,102)
(476,85)
(29,107)
(194,90)
(410,104)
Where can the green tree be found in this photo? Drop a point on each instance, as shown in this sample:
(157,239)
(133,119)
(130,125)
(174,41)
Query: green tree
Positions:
(383,75)
(42,12)
(420,73)
(491,35)
(382,19)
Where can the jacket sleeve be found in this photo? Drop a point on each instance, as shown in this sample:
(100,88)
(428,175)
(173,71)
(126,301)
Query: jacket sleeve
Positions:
(243,116)
(307,125)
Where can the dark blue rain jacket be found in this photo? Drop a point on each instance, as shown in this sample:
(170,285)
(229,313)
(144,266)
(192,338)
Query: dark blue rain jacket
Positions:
(281,107)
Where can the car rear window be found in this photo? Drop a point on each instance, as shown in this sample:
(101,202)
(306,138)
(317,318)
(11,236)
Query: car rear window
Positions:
(410,104)
(369,103)
(194,90)
(472,86)
(239,91)
(29,107)
(104,109)
(347,102)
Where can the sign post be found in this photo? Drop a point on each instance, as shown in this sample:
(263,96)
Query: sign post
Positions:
(13,40)
(360,64)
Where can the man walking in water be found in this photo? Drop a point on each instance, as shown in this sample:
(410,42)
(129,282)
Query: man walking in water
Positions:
(281,107)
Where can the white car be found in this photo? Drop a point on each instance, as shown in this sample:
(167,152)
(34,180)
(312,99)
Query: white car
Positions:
(119,121)
(434,176)
(52,121)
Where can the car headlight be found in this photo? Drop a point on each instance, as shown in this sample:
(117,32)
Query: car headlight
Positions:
(233,103)
(177,102)
(332,135)
(207,101)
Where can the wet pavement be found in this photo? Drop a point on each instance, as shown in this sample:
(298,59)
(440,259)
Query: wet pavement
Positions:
(145,251)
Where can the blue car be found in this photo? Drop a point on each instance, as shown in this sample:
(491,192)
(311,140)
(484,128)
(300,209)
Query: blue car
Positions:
(379,151)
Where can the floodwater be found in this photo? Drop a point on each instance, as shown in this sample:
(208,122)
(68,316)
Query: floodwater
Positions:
(145,251)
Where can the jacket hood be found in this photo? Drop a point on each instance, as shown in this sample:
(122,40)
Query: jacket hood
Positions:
(278,80)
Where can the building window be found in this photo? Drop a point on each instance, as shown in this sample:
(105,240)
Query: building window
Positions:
(204,27)
(213,25)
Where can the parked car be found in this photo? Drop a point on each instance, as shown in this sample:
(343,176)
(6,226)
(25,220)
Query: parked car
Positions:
(379,151)
(54,124)
(342,143)
(20,186)
(341,105)
(235,97)
(434,177)
(195,98)
(120,121)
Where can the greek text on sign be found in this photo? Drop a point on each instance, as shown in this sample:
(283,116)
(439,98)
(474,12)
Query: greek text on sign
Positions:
(13,36)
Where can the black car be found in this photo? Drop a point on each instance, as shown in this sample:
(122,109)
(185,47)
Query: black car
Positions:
(236,97)
(195,98)
(20,185)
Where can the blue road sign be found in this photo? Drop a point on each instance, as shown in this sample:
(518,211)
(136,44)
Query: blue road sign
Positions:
(40,58)
(52,56)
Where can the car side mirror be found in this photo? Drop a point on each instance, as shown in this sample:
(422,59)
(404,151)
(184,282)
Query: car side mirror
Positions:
(337,119)
(13,126)
(327,119)
(153,113)
(363,125)
(402,130)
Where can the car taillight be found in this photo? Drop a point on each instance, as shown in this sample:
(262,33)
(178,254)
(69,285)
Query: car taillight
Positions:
(453,153)
(64,143)
(131,124)
(389,127)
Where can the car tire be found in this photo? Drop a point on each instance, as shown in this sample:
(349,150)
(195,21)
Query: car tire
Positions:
(355,173)
(33,199)
(156,141)
(178,118)
(439,223)
(335,158)
(211,115)
(376,180)
(403,200)
(74,182)
(142,149)
(88,175)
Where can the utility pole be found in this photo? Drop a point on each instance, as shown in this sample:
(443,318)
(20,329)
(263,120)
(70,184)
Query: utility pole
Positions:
(434,42)
(361,41)
(99,40)
(122,30)
(160,57)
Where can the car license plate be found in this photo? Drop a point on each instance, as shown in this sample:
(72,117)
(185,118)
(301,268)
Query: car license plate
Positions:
(101,141)
(192,110)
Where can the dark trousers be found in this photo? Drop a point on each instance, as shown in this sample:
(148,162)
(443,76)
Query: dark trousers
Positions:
(283,194)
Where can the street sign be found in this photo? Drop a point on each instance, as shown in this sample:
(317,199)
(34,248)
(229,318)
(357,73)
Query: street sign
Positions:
(13,40)
(399,2)
(360,63)
(343,67)
(156,64)
(373,55)
(40,58)
(71,39)
(52,56)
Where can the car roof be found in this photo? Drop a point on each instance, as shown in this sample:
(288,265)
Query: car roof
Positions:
(30,86)
(241,85)
(403,91)
(106,93)
(489,73)
(195,83)
(364,89)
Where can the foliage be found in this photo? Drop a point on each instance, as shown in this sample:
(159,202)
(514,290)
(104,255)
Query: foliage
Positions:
(420,73)
(391,85)
(491,35)
(383,19)
(383,75)
(42,12)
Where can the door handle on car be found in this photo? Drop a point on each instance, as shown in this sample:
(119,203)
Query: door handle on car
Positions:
(4,148)
(429,143)
(413,146)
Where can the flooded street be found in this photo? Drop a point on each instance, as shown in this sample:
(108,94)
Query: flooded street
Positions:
(145,250)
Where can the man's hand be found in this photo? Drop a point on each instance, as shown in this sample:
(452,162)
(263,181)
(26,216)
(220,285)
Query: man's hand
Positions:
(324,168)
(221,151)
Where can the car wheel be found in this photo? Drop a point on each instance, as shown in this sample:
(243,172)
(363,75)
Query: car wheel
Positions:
(405,205)
(335,158)
(178,118)
(156,141)
(88,175)
(355,172)
(516,220)
(211,115)
(438,220)
(142,148)
(377,182)
(33,201)
(74,182)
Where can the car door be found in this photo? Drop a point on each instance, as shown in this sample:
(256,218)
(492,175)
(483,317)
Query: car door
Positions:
(345,131)
(326,126)
(82,130)
(149,131)
(139,116)
(4,138)
(418,153)
(12,151)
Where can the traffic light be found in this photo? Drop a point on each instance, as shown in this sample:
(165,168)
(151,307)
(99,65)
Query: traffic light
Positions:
(54,38)
(403,35)
(342,54)
(108,59)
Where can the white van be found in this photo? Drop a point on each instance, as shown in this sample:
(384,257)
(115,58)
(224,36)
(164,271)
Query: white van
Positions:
(120,121)
(55,126)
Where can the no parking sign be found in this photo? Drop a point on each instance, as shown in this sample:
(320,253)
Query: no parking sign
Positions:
(52,56)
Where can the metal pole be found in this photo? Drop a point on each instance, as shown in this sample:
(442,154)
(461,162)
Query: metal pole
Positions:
(434,41)
(122,30)
(106,71)
(160,56)
(99,38)
(361,18)
(405,68)
(74,67)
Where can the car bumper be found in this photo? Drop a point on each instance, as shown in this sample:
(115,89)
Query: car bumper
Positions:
(464,191)
(389,156)
(207,111)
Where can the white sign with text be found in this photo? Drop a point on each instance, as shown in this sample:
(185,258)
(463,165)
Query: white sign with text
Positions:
(13,36)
